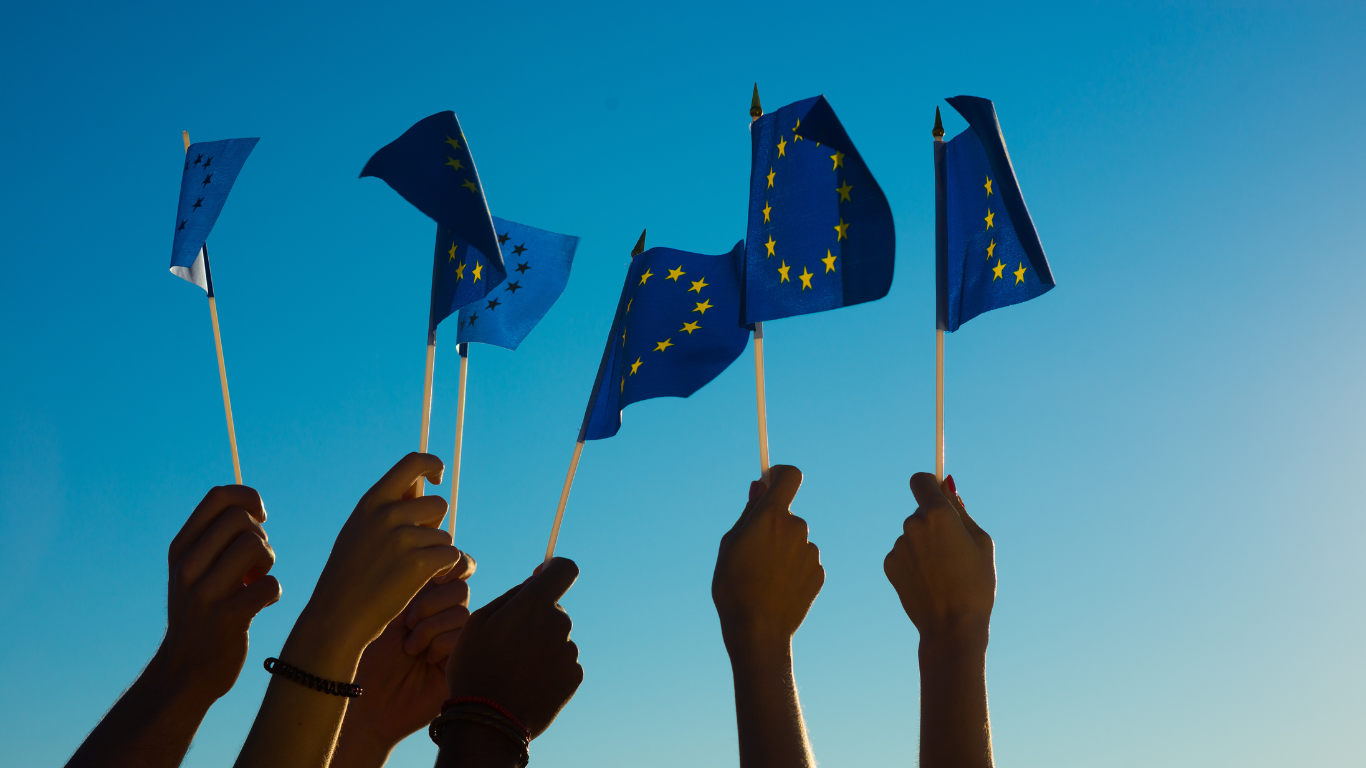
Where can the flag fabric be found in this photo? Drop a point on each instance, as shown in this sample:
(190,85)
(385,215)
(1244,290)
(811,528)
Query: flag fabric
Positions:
(211,168)
(677,327)
(820,230)
(988,254)
(430,165)
(538,264)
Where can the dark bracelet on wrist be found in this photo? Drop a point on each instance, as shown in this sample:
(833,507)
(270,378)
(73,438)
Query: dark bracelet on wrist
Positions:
(476,709)
(291,672)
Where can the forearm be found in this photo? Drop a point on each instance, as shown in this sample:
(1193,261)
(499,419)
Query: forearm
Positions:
(150,726)
(355,750)
(768,713)
(296,726)
(955,729)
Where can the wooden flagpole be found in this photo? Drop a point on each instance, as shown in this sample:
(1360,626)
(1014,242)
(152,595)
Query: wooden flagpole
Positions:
(755,112)
(938,359)
(218,346)
(459,432)
(426,402)
(578,451)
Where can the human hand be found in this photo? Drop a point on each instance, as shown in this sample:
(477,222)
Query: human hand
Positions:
(403,671)
(218,583)
(387,550)
(943,566)
(767,573)
(516,650)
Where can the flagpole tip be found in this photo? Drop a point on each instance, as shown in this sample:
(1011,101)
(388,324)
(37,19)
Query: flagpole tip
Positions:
(938,126)
(186,136)
(756,111)
(640,245)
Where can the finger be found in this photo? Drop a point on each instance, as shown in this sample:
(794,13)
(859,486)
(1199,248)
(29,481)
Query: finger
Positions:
(784,482)
(436,559)
(555,579)
(464,568)
(929,495)
(208,510)
(449,620)
(435,598)
(232,523)
(426,511)
(260,594)
(951,493)
(493,606)
(246,552)
(403,474)
(756,490)
(442,645)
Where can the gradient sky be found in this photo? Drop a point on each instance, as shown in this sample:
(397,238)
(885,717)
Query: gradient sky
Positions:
(1167,448)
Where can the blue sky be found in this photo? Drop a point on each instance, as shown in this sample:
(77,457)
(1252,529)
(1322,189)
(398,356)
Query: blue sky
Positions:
(1167,448)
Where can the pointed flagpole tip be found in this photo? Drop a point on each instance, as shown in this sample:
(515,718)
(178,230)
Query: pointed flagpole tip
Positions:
(938,126)
(640,245)
(756,111)
(186,136)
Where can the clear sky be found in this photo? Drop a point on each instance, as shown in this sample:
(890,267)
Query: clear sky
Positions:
(1168,448)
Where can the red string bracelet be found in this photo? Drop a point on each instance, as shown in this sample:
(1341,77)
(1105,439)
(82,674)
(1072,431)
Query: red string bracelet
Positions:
(491,704)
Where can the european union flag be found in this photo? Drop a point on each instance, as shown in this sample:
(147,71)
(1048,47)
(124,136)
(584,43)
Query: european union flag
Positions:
(508,313)
(430,165)
(211,168)
(988,254)
(677,327)
(820,230)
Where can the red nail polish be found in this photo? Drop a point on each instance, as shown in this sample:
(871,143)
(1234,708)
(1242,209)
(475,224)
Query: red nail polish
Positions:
(948,484)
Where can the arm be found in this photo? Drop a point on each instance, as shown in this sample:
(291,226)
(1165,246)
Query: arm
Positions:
(944,570)
(403,672)
(387,550)
(514,651)
(767,576)
(218,583)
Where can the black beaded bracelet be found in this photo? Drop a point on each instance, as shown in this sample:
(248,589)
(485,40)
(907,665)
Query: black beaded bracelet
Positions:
(291,672)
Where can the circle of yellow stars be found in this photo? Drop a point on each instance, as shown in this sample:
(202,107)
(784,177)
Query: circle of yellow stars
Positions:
(998,270)
(841,229)
(689,326)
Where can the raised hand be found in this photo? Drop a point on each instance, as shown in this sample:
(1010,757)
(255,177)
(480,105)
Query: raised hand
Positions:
(403,671)
(767,576)
(217,584)
(944,570)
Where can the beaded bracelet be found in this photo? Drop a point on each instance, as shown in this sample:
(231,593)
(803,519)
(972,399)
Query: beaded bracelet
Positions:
(291,672)
(476,709)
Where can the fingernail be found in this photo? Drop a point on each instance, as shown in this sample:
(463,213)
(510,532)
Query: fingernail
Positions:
(949,485)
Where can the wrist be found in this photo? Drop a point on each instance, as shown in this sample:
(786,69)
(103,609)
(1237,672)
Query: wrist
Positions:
(476,744)
(166,685)
(318,647)
(953,648)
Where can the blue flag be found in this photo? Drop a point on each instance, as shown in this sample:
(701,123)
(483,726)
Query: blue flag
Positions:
(211,168)
(677,327)
(988,254)
(430,165)
(820,230)
(538,262)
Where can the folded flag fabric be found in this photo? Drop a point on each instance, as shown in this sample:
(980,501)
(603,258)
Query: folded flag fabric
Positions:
(820,230)
(211,168)
(988,254)
(538,264)
(430,165)
(677,327)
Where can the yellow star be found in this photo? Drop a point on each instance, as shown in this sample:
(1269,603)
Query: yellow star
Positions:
(838,157)
(988,186)
(623,386)
(996,271)
(690,327)
(806,278)
(471,186)
(1019,274)
(452,250)
(797,136)
(477,269)
(782,147)
(990,216)
(460,272)
(771,242)
(991,248)
(767,208)
(703,306)
(660,346)
(771,174)
(629,302)
(829,261)
(783,271)
(842,230)
(698,285)
(456,164)
(648,274)
(635,366)
(453,142)
(843,189)
(674,274)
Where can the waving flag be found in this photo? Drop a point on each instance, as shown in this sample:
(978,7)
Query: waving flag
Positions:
(211,168)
